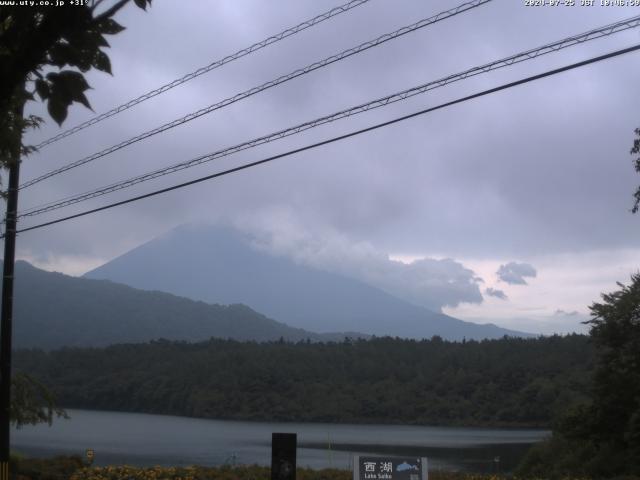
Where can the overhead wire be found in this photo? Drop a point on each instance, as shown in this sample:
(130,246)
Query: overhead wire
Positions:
(212,66)
(622,25)
(272,83)
(532,78)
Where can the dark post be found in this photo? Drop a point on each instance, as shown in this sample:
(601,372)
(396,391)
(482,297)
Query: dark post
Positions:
(7,309)
(283,456)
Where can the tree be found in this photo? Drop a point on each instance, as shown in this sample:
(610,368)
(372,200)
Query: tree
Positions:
(32,402)
(601,438)
(70,39)
(44,50)
(634,151)
(615,412)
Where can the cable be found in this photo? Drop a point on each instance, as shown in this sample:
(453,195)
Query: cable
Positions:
(212,66)
(622,25)
(282,79)
(338,138)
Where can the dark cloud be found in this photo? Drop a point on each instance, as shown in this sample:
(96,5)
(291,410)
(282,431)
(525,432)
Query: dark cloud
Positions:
(515,273)
(509,175)
(494,292)
(564,313)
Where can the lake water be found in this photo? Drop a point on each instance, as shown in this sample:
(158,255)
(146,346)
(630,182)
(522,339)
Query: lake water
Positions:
(145,440)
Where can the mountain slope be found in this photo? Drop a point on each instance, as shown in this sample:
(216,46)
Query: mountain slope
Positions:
(219,265)
(53,310)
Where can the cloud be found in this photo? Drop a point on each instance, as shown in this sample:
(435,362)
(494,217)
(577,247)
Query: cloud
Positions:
(397,187)
(563,313)
(514,273)
(494,292)
(69,264)
(432,283)
(417,188)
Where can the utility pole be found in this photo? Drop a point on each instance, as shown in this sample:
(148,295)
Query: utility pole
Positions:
(6,315)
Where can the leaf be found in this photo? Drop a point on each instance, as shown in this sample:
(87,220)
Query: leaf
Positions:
(66,87)
(101,41)
(58,110)
(84,60)
(109,26)
(82,98)
(33,121)
(62,54)
(42,88)
(85,45)
(101,62)
(69,81)
(75,84)
(142,3)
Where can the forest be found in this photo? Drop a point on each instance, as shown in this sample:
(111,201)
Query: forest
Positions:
(505,382)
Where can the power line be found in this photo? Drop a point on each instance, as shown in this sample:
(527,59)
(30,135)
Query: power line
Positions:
(622,25)
(272,83)
(212,66)
(338,138)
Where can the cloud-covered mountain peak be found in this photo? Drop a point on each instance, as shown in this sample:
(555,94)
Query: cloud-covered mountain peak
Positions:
(223,265)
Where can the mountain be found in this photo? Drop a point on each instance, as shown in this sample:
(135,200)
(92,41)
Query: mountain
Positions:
(221,265)
(53,310)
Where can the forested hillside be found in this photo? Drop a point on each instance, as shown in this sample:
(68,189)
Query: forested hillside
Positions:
(507,382)
(54,310)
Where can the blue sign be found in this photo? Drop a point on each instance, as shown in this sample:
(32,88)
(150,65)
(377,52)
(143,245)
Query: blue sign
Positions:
(389,468)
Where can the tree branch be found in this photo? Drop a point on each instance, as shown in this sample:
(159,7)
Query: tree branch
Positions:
(96,4)
(111,11)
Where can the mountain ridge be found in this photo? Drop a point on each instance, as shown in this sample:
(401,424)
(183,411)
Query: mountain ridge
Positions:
(53,310)
(219,265)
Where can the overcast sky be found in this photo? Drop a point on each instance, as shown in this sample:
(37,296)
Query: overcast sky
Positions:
(513,208)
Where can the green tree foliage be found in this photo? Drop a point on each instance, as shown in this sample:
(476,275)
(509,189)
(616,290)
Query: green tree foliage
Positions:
(635,150)
(507,382)
(601,437)
(31,402)
(65,42)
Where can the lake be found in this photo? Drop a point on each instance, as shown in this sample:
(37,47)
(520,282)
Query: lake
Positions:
(145,440)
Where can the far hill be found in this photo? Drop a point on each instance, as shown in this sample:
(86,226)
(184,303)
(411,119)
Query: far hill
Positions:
(221,265)
(53,310)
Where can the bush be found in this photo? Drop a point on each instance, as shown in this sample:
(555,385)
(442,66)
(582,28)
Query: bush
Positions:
(72,468)
(56,468)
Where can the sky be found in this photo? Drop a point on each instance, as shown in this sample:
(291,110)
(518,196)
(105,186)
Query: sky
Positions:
(513,208)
